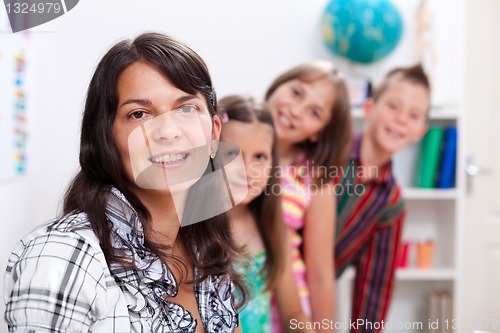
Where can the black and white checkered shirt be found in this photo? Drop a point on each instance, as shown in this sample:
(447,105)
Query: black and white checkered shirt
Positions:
(57,280)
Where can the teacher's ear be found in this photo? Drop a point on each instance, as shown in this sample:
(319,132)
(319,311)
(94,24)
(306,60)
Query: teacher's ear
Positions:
(216,128)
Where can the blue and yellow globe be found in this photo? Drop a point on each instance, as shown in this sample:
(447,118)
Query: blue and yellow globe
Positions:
(362,31)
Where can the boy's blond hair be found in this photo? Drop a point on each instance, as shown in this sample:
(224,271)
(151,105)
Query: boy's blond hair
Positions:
(414,74)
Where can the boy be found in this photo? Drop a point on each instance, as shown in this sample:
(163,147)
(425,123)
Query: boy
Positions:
(370,219)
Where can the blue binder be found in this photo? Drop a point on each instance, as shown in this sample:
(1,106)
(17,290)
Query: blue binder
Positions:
(448,159)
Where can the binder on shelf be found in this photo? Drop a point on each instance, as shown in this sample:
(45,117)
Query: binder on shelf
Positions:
(428,159)
(448,159)
(446,313)
(434,310)
(440,305)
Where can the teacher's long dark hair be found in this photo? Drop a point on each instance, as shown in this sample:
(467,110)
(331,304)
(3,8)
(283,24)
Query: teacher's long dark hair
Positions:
(101,166)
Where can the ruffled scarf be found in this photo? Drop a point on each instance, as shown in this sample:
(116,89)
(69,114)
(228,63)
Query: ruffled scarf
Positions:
(149,289)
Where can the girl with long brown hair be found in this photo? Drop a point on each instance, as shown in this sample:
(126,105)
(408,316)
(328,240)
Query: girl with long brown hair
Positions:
(257,221)
(311,111)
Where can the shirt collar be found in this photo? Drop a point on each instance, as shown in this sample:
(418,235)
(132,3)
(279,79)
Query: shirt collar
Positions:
(385,171)
(356,146)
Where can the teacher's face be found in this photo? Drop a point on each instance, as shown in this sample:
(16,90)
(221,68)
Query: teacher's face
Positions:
(162,133)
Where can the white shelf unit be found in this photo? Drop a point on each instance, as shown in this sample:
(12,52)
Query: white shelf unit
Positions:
(414,274)
(431,214)
(436,112)
(412,193)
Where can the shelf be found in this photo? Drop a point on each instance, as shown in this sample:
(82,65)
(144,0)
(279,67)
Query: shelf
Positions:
(414,274)
(438,112)
(429,194)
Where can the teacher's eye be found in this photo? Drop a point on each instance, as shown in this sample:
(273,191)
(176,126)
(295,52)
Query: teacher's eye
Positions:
(137,115)
(188,108)
(232,154)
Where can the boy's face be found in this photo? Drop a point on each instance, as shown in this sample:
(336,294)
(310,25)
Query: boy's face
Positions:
(398,117)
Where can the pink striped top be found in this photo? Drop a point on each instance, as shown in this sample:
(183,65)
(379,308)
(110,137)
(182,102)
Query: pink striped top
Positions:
(295,198)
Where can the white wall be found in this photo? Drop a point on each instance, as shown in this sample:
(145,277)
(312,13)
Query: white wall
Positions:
(245,44)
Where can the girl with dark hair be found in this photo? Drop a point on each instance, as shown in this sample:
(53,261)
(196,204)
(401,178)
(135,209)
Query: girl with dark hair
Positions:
(257,221)
(117,260)
(311,111)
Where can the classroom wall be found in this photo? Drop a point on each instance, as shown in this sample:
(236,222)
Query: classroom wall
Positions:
(245,44)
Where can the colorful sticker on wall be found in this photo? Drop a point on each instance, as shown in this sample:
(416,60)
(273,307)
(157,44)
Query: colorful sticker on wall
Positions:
(19,114)
(14,83)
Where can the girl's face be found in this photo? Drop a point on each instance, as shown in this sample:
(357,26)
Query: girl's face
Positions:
(162,133)
(301,109)
(257,156)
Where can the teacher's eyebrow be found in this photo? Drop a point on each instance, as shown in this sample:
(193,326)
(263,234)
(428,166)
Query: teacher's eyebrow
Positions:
(140,101)
(147,102)
(186,98)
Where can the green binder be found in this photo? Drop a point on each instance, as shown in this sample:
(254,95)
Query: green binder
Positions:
(428,159)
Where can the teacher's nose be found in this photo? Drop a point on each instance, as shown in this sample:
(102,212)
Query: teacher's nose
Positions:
(165,127)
